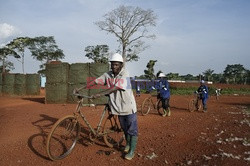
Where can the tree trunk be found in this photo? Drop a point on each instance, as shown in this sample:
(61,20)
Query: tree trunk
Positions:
(3,70)
(23,62)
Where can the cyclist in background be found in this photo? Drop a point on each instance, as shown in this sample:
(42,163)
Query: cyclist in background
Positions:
(163,90)
(203,95)
(138,89)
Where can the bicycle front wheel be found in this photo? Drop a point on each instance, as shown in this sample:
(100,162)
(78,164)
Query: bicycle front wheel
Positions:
(63,137)
(192,105)
(146,106)
(113,134)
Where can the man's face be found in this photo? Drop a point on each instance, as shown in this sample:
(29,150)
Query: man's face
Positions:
(116,67)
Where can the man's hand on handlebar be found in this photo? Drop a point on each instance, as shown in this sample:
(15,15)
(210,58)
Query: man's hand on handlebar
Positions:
(94,96)
(75,91)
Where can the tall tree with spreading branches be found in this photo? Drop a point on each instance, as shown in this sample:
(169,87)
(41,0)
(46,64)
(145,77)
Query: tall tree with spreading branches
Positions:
(45,49)
(130,25)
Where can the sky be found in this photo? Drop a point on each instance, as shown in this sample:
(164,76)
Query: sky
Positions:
(192,36)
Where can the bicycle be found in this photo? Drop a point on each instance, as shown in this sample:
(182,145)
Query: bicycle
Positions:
(148,103)
(65,132)
(194,103)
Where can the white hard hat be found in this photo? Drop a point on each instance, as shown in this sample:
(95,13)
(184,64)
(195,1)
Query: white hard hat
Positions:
(116,57)
(162,75)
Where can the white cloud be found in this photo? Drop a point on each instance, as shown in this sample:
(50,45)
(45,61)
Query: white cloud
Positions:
(7,31)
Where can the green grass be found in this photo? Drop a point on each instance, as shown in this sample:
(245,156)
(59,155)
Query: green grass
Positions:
(211,91)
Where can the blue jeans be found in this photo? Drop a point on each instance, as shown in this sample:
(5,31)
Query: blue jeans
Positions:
(165,103)
(129,124)
(204,103)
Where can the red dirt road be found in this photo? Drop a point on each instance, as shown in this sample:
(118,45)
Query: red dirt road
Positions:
(219,137)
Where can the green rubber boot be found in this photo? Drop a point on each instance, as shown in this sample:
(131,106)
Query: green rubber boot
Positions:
(164,113)
(169,113)
(204,108)
(127,147)
(131,153)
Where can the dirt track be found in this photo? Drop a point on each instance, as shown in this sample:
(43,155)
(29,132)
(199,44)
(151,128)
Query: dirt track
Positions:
(219,137)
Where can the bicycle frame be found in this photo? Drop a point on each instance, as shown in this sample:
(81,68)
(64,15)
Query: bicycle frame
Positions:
(150,101)
(78,112)
(194,103)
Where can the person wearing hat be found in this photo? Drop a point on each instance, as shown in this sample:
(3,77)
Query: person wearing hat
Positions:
(203,95)
(162,87)
(121,101)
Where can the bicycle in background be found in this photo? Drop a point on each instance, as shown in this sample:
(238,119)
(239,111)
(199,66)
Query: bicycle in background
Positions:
(65,132)
(148,104)
(194,104)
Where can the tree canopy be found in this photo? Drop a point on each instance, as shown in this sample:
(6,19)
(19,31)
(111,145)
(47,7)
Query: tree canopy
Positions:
(42,48)
(45,49)
(18,45)
(129,25)
(99,53)
(235,73)
(149,73)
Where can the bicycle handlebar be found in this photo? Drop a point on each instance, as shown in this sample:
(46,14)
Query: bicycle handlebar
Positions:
(76,93)
(82,96)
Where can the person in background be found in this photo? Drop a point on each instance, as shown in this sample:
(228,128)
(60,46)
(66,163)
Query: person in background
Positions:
(203,94)
(218,93)
(163,90)
(138,89)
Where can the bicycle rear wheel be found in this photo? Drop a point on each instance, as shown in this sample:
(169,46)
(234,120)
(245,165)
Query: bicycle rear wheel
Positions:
(193,105)
(159,107)
(146,106)
(113,134)
(63,137)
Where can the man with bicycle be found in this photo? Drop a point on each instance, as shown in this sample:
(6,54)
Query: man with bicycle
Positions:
(162,87)
(203,95)
(121,101)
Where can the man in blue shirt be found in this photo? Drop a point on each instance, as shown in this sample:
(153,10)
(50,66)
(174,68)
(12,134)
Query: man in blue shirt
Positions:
(203,94)
(163,93)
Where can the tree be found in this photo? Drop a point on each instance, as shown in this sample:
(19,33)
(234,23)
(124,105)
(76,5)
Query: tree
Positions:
(217,78)
(129,24)
(98,53)
(18,45)
(247,78)
(150,72)
(45,49)
(173,76)
(188,77)
(6,65)
(234,73)
(208,74)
